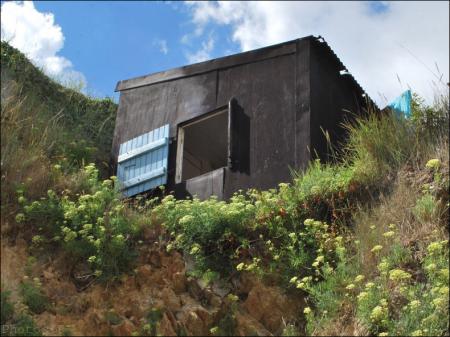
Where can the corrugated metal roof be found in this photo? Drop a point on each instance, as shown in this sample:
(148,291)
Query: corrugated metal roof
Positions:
(321,40)
(280,49)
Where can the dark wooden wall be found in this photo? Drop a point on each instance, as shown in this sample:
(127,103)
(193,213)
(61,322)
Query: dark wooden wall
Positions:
(266,90)
(335,98)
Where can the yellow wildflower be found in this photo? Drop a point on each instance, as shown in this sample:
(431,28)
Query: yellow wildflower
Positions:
(293,280)
(370,285)
(389,234)
(399,275)
(376,248)
(414,304)
(350,286)
(377,313)
(363,295)
(434,247)
(359,278)
(300,285)
(433,163)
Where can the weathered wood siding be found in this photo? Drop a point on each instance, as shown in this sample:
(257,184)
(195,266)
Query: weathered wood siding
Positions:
(287,92)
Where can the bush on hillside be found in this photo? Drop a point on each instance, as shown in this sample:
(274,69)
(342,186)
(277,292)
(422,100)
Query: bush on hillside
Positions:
(93,226)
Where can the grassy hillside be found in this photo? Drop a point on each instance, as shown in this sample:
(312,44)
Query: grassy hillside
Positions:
(45,124)
(359,245)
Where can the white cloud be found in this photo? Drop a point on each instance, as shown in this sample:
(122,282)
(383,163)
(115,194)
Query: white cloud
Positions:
(204,53)
(162,45)
(38,36)
(404,39)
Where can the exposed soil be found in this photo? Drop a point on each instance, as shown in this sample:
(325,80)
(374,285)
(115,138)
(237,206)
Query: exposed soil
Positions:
(157,296)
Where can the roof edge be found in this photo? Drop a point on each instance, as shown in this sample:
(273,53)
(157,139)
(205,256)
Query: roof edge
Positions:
(280,49)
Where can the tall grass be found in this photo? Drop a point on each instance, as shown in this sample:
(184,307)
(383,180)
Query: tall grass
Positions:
(391,244)
(44,124)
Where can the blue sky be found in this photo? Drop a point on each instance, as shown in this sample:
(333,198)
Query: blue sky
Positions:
(112,41)
(100,43)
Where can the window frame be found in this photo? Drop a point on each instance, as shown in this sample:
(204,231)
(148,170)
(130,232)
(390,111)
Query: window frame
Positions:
(180,138)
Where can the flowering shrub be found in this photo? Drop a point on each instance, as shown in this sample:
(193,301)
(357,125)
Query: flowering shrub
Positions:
(423,306)
(231,236)
(94,227)
(209,230)
(391,302)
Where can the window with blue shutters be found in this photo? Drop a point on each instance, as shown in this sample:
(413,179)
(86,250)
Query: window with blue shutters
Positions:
(142,161)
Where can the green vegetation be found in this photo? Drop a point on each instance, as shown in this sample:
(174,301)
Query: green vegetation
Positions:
(50,193)
(153,318)
(45,124)
(33,297)
(13,324)
(311,235)
(363,239)
(25,326)
(93,226)
(7,307)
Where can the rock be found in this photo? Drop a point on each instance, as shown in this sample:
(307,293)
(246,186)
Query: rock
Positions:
(129,282)
(94,317)
(221,288)
(248,326)
(151,233)
(179,282)
(174,262)
(134,310)
(60,291)
(165,327)
(244,283)
(189,263)
(196,319)
(48,275)
(79,305)
(194,288)
(170,299)
(213,299)
(6,229)
(126,328)
(186,299)
(269,306)
(155,259)
(194,324)
(144,274)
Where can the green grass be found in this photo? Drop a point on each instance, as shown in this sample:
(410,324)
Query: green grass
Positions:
(44,124)
(33,296)
(15,324)
(7,308)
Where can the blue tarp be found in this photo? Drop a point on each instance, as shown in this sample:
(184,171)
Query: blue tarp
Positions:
(402,104)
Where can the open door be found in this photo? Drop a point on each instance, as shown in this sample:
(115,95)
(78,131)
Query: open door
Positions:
(142,161)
